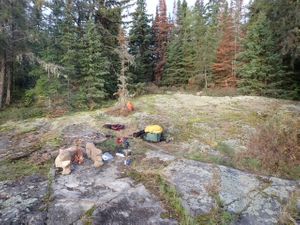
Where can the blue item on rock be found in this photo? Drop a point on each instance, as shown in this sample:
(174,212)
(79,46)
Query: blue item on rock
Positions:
(107,157)
(127,162)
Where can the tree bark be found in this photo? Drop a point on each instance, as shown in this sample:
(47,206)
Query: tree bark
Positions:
(8,87)
(205,77)
(2,79)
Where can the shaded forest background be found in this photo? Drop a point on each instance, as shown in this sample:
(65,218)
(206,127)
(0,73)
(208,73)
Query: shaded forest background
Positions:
(64,54)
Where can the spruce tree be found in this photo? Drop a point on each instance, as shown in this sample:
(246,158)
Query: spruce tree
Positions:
(284,22)
(174,69)
(95,66)
(140,44)
(260,69)
(179,67)
(189,45)
(69,42)
(14,40)
(201,43)
(187,42)
(108,19)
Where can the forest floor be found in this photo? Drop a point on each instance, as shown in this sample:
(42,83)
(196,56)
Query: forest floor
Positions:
(197,177)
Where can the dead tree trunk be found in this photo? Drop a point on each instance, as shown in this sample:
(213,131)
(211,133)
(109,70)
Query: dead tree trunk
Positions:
(8,86)
(126,60)
(2,79)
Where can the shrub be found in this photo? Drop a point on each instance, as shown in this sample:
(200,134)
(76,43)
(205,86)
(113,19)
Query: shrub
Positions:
(20,113)
(197,82)
(276,146)
(29,97)
(290,213)
(138,89)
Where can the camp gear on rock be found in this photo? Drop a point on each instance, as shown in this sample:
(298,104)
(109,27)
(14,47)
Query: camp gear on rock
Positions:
(123,141)
(127,152)
(127,162)
(153,133)
(138,134)
(64,159)
(130,106)
(107,157)
(126,144)
(154,129)
(119,141)
(116,127)
(152,137)
(94,153)
(78,157)
(120,154)
(109,135)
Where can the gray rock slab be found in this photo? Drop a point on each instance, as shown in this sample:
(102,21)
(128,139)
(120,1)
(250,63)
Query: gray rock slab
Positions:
(262,210)
(160,155)
(5,144)
(88,187)
(21,201)
(82,131)
(135,207)
(254,199)
(191,180)
(17,144)
(235,187)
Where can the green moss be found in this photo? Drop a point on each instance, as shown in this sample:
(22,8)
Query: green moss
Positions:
(203,157)
(109,145)
(55,142)
(4,128)
(87,217)
(186,132)
(21,113)
(150,108)
(290,213)
(48,198)
(245,117)
(252,119)
(199,120)
(173,198)
(217,216)
(232,131)
(168,195)
(198,156)
(11,170)
(101,116)
(25,130)
(292,173)
(226,149)
(231,117)
(251,164)
(146,103)
(90,212)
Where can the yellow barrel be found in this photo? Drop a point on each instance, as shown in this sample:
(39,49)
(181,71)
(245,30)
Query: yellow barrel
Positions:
(154,129)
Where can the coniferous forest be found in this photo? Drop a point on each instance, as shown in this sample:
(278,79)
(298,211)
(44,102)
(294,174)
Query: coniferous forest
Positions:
(65,53)
(149,112)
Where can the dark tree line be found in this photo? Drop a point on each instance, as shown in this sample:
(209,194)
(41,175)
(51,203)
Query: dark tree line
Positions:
(55,52)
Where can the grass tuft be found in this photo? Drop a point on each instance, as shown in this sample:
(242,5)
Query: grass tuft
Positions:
(167,194)
(12,170)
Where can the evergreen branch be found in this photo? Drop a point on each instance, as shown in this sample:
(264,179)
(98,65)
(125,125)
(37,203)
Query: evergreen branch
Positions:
(50,68)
